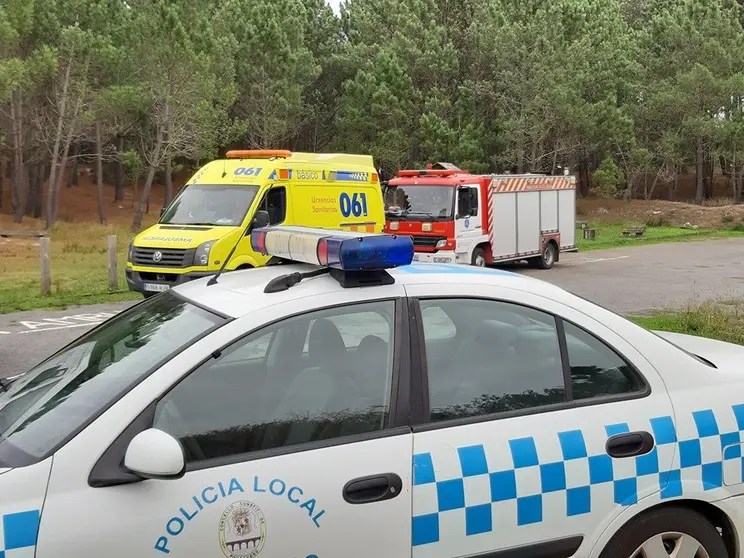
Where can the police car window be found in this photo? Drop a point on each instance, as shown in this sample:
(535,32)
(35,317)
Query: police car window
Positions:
(440,325)
(257,349)
(492,366)
(354,327)
(596,370)
(338,386)
(46,405)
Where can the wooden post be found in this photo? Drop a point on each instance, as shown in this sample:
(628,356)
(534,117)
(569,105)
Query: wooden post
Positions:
(46,267)
(590,234)
(113,275)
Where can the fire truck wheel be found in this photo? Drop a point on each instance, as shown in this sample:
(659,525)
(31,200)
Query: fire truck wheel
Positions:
(479,257)
(548,257)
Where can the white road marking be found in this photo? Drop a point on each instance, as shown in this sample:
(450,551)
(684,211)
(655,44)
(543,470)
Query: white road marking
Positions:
(64,321)
(4,333)
(603,259)
(89,324)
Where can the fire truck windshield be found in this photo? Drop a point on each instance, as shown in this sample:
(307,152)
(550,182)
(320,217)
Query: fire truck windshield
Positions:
(415,202)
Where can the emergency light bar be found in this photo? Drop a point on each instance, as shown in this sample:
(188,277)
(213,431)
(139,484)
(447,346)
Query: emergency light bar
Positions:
(258,154)
(342,250)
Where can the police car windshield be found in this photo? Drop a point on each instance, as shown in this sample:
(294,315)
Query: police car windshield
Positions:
(44,407)
(218,205)
(420,202)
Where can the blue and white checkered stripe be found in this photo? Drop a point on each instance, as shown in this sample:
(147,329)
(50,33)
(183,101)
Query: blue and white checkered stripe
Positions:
(513,482)
(18,534)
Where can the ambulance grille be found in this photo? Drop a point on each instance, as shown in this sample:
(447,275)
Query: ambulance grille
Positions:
(170,257)
(427,241)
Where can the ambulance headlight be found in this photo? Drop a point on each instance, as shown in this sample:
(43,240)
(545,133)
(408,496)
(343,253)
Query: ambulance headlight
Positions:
(130,252)
(442,243)
(201,256)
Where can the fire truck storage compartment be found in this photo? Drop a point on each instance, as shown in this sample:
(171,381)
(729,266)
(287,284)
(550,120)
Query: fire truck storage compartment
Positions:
(567,217)
(520,218)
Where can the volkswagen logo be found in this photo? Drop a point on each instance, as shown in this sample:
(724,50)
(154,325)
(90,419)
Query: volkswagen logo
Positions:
(157,256)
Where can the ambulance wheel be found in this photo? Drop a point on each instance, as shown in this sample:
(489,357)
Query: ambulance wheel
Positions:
(547,258)
(667,531)
(479,257)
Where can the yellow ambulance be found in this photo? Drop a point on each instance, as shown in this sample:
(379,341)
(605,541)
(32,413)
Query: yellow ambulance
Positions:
(226,198)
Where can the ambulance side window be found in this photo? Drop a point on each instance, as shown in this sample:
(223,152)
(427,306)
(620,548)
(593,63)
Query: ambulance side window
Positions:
(275,202)
(506,357)
(266,392)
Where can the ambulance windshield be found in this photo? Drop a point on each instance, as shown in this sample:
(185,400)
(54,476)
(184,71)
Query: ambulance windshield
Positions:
(216,205)
(416,202)
(44,407)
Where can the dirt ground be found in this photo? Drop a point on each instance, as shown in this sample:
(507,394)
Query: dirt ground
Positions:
(78,204)
(661,212)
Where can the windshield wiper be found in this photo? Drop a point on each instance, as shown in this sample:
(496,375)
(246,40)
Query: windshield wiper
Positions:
(190,224)
(5,383)
(421,213)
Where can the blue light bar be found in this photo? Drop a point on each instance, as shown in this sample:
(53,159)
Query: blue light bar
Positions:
(347,251)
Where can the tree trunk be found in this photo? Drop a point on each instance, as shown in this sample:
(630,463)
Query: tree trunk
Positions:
(144,199)
(99,174)
(51,209)
(119,172)
(699,171)
(709,168)
(17,193)
(168,170)
(39,199)
(35,190)
(583,178)
(32,172)
(2,175)
(73,178)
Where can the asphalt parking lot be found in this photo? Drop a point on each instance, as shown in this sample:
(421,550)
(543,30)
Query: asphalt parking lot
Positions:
(630,281)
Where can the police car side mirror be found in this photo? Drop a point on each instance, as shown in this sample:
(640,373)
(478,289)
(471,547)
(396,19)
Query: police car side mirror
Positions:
(154,454)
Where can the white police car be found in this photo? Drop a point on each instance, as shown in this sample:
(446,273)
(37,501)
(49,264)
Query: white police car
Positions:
(300,411)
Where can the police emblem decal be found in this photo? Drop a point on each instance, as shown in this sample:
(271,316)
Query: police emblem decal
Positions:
(157,256)
(242,530)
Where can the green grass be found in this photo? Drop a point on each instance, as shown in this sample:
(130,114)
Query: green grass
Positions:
(610,235)
(78,268)
(722,320)
(79,272)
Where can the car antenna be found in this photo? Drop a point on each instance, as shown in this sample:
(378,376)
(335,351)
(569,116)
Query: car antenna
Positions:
(224,168)
(258,223)
(213,279)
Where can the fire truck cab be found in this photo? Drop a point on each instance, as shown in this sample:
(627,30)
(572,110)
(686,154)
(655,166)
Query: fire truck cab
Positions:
(458,217)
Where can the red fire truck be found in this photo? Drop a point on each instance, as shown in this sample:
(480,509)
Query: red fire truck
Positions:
(458,217)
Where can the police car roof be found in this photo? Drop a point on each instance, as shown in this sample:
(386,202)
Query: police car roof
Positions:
(240,292)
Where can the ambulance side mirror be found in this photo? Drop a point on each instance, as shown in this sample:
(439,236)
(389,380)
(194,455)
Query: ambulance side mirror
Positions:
(154,454)
(261,219)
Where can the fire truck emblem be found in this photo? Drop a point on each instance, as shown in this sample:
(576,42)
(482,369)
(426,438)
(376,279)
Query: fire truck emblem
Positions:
(242,530)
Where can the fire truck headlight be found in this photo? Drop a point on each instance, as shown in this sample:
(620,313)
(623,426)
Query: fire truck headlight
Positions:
(442,243)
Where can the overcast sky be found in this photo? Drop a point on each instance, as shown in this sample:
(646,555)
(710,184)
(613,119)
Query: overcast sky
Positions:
(334,4)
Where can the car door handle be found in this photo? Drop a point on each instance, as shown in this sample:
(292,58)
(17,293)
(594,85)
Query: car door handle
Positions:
(629,444)
(374,488)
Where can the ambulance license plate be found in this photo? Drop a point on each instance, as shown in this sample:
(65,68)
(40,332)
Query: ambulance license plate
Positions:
(156,288)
